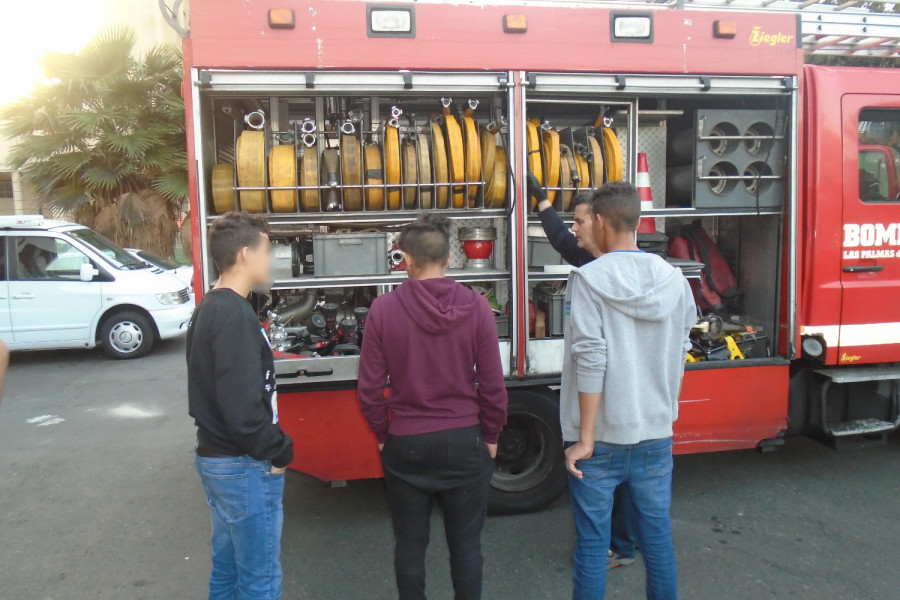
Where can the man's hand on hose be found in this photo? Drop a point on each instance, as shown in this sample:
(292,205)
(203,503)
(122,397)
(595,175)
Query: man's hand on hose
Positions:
(536,190)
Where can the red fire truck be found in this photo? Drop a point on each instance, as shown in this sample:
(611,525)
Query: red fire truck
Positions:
(341,120)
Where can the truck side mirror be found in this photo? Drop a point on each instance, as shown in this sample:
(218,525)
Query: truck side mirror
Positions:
(88,272)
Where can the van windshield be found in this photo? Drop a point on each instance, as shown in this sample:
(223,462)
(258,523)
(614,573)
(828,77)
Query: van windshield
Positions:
(115,255)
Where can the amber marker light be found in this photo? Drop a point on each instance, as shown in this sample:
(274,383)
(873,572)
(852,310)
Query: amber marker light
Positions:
(281,18)
(724,29)
(515,23)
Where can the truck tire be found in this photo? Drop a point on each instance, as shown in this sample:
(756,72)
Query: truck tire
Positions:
(530,470)
(127,334)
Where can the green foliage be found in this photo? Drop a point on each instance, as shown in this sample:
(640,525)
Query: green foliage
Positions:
(105,134)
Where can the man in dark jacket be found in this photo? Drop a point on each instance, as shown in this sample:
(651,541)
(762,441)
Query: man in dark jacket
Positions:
(438,427)
(242,453)
(578,250)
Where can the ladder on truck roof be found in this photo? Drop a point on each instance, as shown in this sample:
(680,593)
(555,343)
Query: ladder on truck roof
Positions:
(847,29)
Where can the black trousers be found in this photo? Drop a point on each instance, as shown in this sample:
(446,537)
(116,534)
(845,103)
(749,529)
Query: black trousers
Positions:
(452,467)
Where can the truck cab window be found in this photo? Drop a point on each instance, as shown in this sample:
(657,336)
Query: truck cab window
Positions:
(879,155)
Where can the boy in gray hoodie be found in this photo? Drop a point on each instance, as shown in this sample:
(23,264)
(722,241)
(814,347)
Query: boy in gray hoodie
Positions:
(628,320)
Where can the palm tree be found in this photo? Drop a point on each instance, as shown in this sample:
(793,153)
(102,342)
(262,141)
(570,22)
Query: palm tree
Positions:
(102,141)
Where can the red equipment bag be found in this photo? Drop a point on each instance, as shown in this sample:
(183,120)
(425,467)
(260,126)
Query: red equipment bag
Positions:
(717,290)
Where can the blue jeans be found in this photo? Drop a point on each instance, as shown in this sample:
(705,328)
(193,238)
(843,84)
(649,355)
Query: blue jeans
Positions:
(247,515)
(646,471)
(624,535)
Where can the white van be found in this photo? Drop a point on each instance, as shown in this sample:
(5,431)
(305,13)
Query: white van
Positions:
(63,285)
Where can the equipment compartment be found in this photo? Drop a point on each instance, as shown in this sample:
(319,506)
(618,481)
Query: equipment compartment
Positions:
(670,147)
(360,153)
(338,165)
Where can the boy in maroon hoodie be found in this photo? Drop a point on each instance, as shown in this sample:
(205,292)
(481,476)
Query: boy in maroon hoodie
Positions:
(438,427)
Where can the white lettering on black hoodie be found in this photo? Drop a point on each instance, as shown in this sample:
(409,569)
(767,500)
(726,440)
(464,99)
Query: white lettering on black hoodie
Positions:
(231,381)
(628,317)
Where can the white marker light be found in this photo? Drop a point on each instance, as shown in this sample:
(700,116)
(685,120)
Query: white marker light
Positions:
(632,27)
(391,21)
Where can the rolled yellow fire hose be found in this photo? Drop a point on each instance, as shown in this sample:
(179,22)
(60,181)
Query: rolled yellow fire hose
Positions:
(567,171)
(331,176)
(283,173)
(250,154)
(584,172)
(223,188)
(533,144)
(410,173)
(374,177)
(495,197)
(309,176)
(456,156)
(551,162)
(473,156)
(351,169)
(392,165)
(441,168)
(426,191)
(596,163)
(614,162)
(488,152)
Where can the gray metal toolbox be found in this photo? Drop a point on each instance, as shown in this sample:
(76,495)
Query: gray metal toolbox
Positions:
(343,254)
(552,303)
(541,253)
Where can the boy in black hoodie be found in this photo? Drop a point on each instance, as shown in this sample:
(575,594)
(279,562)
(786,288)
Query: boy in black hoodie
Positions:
(242,453)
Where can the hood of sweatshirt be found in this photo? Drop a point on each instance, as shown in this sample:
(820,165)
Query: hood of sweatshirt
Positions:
(437,305)
(641,285)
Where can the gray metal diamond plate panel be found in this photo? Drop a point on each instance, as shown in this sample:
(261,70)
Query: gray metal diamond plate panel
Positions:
(652,140)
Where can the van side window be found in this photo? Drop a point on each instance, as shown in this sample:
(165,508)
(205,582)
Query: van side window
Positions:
(48,258)
(879,155)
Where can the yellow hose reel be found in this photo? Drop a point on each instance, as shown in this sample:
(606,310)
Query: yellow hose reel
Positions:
(250,154)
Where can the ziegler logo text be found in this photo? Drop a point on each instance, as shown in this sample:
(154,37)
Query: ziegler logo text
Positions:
(759,37)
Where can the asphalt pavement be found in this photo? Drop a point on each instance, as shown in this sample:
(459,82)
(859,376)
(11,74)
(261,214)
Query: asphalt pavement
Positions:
(99,501)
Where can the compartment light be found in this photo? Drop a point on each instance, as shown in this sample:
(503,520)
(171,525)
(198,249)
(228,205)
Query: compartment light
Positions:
(631,27)
(281,18)
(515,23)
(724,29)
(391,20)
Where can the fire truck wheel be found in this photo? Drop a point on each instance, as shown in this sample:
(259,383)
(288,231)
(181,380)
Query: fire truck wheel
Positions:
(529,471)
(127,335)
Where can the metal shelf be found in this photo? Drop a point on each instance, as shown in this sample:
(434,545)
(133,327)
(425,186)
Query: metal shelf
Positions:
(534,219)
(710,212)
(542,276)
(374,217)
(395,278)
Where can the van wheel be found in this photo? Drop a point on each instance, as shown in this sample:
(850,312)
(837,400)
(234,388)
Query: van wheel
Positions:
(127,335)
(530,470)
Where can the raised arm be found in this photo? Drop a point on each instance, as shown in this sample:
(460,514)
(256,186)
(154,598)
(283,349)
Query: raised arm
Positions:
(558,233)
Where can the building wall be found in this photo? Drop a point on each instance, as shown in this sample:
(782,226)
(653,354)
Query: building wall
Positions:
(66,27)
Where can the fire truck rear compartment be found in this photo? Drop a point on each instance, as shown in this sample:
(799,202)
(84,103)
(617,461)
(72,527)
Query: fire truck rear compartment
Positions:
(353,225)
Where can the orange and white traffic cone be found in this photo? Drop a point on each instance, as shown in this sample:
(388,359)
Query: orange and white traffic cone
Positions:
(642,183)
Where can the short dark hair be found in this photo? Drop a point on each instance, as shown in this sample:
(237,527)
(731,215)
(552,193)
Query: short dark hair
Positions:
(619,203)
(580,199)
(427,239)
(231,232)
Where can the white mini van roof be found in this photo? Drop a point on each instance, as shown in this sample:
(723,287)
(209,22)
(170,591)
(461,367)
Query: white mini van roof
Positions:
(29,222)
